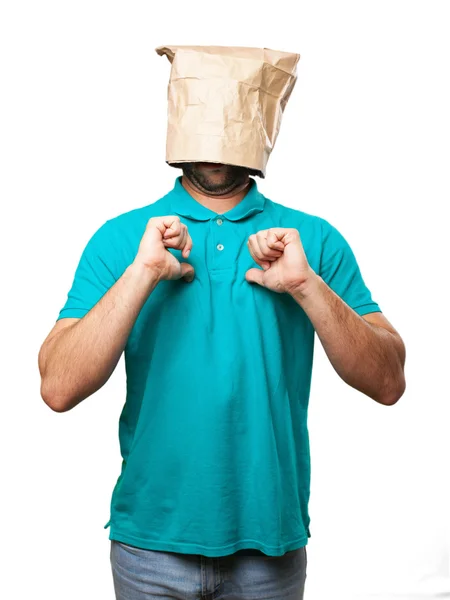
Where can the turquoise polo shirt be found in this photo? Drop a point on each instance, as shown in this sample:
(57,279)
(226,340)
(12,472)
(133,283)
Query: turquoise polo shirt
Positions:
(213,433)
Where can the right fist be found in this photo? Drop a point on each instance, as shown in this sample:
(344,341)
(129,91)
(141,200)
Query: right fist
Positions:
(162,233)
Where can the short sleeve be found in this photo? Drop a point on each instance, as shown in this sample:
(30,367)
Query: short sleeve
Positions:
(340,271)
(94,275)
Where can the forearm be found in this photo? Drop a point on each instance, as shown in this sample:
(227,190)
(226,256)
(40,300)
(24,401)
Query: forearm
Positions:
(78,360)
(365,356)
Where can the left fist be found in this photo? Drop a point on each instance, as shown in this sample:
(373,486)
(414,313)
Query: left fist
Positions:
(280,253)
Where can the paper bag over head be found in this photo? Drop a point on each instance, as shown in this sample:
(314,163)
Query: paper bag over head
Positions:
(225,104)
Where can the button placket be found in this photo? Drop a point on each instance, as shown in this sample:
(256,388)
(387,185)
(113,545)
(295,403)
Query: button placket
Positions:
(219,246)
(220,243)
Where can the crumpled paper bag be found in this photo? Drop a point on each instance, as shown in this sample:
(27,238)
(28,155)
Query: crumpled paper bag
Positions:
(225,104)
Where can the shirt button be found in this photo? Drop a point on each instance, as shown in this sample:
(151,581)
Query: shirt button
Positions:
(219,246)
(219,221)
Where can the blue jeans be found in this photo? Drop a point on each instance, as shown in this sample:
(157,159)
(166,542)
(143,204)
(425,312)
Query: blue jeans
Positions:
(140,574)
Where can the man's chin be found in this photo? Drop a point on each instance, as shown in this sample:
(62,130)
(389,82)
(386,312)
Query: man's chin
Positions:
(215,179)
(213,186)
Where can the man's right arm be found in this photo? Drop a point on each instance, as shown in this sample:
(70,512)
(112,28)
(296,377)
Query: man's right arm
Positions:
(78,359)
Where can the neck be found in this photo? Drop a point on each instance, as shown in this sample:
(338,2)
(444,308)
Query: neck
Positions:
(219,204)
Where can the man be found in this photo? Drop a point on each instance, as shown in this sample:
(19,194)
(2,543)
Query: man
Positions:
(214,293)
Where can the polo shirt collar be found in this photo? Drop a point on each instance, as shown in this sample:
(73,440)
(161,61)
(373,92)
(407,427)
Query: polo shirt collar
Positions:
(182,203)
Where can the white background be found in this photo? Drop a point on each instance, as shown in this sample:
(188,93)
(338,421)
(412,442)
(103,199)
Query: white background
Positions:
(364,143)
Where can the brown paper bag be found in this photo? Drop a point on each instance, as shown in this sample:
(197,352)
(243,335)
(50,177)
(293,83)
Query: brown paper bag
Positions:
(225,104)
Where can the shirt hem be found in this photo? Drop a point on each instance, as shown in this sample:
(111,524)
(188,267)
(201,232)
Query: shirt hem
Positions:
(211,551)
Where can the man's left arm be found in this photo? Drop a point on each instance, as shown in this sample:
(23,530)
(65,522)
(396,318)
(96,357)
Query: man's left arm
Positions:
(366,351)
(363,347)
